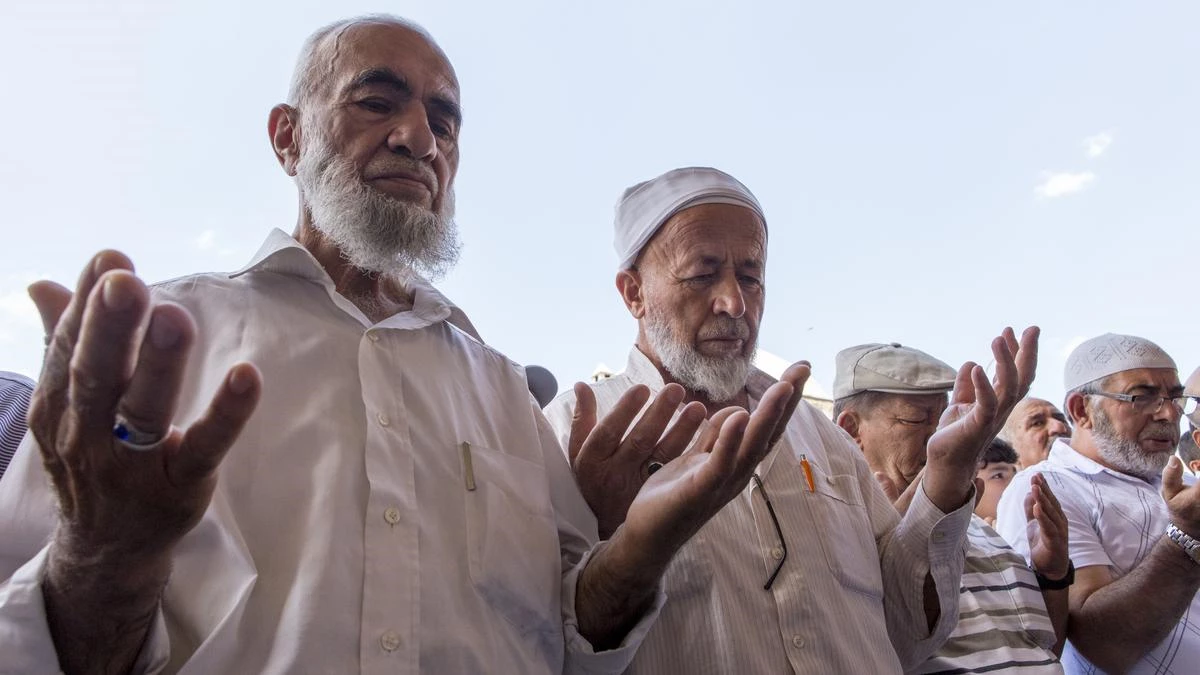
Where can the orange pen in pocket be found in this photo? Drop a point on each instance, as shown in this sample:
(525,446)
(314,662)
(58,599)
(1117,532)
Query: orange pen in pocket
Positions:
(807,472)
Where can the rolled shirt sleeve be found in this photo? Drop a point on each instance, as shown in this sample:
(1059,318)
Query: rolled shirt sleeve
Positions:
(926,542)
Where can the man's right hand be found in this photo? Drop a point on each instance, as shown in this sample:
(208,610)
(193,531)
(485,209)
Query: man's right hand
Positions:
(111,353)
(1183,502)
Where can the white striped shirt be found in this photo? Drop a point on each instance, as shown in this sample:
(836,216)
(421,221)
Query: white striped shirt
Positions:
(849,598)
(1115,521)
(1003,625)
(15,391)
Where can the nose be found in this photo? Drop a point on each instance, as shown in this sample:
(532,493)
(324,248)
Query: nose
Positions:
(412,137)
(729,297)
(1167,411)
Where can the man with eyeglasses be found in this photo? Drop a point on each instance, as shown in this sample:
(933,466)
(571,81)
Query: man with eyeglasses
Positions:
(809,569)
(891,399)
(1134,527)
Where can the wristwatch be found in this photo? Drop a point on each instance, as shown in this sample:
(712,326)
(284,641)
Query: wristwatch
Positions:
(1189,544)
(1056,584)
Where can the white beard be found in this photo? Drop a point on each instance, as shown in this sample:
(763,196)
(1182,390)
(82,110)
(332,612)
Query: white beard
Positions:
(374,231)
(721,379)
(1125,455)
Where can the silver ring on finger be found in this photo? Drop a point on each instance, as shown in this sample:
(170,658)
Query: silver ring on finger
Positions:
(653,467)
(135,439)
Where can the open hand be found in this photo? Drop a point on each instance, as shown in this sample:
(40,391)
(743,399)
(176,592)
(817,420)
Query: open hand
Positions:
(111,353)
(1047,529)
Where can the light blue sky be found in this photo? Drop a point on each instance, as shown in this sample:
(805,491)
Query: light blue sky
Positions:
(931,171)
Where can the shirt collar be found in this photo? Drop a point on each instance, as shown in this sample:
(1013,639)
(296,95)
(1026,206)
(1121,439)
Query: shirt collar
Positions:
(282,254)
(1063,454)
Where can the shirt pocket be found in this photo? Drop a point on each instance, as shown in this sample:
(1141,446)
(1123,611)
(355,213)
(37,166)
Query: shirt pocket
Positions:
(512,540)
(845,533)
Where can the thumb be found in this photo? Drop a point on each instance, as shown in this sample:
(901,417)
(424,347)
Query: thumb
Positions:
(889,487)
(1172,478)
(582,421)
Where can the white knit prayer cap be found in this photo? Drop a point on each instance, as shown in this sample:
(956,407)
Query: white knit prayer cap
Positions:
(644,208)
(1110,353)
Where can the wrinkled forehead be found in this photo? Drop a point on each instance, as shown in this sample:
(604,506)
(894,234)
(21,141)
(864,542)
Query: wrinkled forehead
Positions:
(382,46)
(712,231)
(1166,379)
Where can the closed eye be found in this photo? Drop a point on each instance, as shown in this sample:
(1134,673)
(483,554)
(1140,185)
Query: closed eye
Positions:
(376,105)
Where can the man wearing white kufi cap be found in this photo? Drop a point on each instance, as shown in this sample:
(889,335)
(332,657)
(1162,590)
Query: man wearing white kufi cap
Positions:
(809,569)
(1134,528)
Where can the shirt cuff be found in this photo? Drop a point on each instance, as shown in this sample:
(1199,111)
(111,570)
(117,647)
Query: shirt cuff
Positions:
(581,658)
(25,638)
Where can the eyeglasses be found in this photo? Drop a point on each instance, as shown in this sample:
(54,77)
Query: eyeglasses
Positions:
(1151,403)
(1190,405)
(778,531)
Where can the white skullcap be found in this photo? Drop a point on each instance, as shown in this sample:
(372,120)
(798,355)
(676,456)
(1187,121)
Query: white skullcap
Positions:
(1109,354)
(646,206)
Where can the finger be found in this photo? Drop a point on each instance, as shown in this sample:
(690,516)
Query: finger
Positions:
(723,460)
(210,437)
(51,300)
(985,397)
(756,442)
(711,431)
(964,391)
(640,442)
(797,375)
(104,353)
(606,436)
(1030,500)
(1172,478)
(1027,359)
(583,420)
(70,321)
(1006,381)
(888,486)
(681,433)
(153,391)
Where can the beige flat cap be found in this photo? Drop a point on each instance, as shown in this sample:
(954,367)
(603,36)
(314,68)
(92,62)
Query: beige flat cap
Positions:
(890,368)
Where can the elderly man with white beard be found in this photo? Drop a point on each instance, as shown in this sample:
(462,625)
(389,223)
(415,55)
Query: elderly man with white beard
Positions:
(1134,528)
(370,488)
(810,569)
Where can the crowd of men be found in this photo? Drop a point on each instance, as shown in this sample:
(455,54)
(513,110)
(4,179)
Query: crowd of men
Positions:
(315,464)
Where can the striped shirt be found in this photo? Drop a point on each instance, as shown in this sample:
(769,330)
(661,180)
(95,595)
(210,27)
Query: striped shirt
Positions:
(1002,621)
(15,391)
(1115,521)
(849,597)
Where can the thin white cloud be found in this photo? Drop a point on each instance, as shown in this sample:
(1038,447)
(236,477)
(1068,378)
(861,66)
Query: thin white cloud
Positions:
(1062,183)
(206,240)
(1096,145)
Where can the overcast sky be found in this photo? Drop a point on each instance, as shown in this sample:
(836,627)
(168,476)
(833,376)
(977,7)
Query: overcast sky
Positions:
(930,171)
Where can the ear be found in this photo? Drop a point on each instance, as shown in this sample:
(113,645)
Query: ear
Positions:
(1077,411)
(848,420)
(629,283)
(1194,467)
(1196,436)
(283,127)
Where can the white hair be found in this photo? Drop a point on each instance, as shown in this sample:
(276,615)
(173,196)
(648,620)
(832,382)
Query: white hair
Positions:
(721,379)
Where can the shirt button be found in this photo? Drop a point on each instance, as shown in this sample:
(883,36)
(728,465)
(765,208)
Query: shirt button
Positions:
(390,641)
(391,515)
(383,420)
(373,337)
(797,641)
(777,553)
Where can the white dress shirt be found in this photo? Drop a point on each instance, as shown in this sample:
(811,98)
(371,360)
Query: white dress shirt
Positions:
(343,536)
(850,595)
(1115,521)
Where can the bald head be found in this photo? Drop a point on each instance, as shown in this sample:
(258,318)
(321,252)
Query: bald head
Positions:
(1032,428)
(319,54)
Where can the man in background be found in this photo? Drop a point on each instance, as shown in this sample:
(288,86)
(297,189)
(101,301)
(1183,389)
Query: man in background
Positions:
(1032,429)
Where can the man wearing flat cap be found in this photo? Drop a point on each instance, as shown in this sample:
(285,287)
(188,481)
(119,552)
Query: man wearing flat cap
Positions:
(1134,527)
(890,399)
(809,569)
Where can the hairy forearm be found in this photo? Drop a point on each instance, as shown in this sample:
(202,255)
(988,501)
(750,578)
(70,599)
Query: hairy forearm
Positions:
(614,591)
(99,613)
(1120,622)
(1058,607)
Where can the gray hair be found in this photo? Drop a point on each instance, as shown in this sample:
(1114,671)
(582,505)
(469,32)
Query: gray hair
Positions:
(1085,389)
(311,66)
(862,403)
